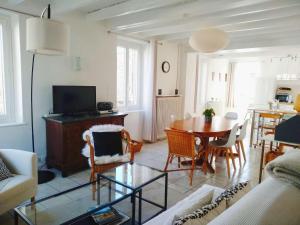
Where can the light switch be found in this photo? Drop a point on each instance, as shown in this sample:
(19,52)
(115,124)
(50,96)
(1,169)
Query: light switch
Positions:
(77,63)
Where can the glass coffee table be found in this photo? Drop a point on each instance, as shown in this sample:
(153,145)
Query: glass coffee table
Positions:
(75,206)
(135,177)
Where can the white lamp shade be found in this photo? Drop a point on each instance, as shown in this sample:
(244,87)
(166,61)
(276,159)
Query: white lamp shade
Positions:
(209,40)
(46,37)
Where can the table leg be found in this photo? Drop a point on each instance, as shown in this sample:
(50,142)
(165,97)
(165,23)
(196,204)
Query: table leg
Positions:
(98,189)
(261,160)
(140,206)
(16,218)
(252,128)
(109,190)
(206,165)
(203,161)
(166,192)
(133,208)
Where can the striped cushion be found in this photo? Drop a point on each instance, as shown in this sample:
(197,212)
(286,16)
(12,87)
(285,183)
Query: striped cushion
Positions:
(234,193)
(203,215)
(209,212)
(4,172)
(272,202)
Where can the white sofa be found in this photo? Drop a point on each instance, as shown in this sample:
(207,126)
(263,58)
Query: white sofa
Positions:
(273,202)
(23,185)
(166,218)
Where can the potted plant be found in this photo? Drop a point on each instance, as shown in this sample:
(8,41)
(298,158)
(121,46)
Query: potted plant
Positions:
(209,113)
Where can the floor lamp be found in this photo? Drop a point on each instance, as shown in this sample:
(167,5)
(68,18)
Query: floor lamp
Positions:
(44,37)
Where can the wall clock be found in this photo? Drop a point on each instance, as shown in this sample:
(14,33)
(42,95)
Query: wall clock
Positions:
(165,66)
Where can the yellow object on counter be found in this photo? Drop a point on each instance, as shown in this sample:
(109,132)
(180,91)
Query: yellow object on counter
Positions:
(297,103)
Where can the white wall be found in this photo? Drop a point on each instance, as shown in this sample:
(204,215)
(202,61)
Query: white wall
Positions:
(96,48)
(190,80)
(167,81)
(284,66)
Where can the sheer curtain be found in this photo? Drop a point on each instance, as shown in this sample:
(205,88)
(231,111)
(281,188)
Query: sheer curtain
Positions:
(247,82)
(149,92)
(230,101)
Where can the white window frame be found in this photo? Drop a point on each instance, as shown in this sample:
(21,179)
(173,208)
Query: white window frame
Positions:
(7,69)
(127,44)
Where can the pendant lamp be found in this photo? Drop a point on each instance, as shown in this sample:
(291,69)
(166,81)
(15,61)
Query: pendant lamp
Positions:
(209,40)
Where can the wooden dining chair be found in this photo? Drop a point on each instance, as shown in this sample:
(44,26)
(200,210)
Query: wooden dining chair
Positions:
(224,147)
(239,141)
(181,145)
(101,168)
(267,123)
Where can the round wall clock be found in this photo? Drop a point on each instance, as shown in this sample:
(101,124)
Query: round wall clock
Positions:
(165,66)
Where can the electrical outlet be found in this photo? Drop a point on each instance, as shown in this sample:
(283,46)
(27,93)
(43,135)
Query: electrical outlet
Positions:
(40,159)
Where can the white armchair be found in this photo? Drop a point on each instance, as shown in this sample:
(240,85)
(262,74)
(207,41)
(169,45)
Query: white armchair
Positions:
(23,185)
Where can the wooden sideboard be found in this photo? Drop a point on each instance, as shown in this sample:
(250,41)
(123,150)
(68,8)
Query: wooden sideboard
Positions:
(64,139)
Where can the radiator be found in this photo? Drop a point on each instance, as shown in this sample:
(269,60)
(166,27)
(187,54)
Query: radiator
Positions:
(166,106)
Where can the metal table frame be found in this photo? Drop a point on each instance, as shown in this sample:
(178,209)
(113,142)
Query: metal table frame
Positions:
(18,214)
(137,192)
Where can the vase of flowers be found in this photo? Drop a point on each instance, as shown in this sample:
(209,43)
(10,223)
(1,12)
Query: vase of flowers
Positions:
(209,113)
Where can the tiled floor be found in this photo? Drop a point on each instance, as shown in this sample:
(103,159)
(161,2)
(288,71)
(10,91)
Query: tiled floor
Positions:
(155,156)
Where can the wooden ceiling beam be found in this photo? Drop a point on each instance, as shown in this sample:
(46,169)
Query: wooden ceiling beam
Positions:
(269,42)
(253,45)
(261,9)
(260,19)
(63,6)
(131,7)
(199,7)
(239,28)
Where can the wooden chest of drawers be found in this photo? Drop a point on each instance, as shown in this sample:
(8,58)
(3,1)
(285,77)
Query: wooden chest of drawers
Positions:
(64,139)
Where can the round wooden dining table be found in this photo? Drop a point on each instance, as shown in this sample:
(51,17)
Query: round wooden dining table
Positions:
(218,127)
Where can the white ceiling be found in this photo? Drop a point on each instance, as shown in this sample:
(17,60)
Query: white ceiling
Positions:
(250,23)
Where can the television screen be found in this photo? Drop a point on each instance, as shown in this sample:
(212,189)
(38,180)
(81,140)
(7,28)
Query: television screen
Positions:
(74,99)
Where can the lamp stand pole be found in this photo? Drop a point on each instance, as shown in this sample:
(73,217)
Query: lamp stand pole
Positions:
(43,175)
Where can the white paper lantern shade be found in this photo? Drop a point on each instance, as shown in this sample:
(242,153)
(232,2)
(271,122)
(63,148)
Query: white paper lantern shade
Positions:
(46,37)
(209,40)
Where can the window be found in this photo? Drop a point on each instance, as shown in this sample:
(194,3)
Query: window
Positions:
(129,75)
(6,73)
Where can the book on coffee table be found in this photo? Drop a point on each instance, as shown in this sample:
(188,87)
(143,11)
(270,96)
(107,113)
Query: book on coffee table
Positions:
(124,219)
(108,216)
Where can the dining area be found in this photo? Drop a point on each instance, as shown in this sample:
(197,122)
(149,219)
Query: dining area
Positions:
(196,142)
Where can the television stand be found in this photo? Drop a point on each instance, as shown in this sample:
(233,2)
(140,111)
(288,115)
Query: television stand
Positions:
(64,139)
(96,113)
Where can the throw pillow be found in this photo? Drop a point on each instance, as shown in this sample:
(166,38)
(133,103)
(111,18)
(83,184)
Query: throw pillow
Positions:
(203,215)
(108,143)
(195,204)
(234,193)
(4,172)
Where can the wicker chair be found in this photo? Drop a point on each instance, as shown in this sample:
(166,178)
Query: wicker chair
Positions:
(100,168)
(181,144)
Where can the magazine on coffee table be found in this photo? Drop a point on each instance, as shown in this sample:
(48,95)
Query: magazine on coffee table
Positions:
(108,216)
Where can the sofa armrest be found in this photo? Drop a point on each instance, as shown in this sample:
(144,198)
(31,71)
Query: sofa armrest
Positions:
(20,162)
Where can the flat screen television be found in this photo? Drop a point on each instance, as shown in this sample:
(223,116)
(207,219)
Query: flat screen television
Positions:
(74,99)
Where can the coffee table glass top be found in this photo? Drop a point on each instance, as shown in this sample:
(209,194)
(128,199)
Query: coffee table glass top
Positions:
(62,208)
(132,175)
